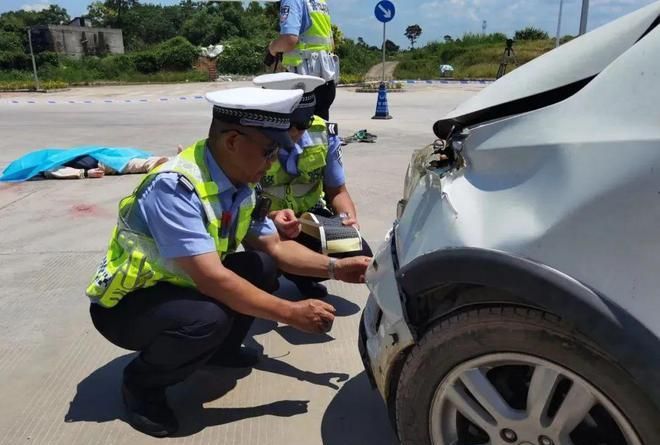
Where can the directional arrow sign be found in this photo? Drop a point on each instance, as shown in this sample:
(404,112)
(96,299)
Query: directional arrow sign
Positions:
(385,11)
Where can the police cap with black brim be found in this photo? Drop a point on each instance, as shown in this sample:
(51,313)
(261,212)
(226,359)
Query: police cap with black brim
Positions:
(268,111)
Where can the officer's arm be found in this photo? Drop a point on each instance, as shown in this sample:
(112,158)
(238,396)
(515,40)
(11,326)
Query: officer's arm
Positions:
(334,179)
(283,44)
(291,12)
(342,202)
(216,281)
(296,259)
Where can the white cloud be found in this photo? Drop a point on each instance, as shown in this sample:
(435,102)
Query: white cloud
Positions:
(35,7)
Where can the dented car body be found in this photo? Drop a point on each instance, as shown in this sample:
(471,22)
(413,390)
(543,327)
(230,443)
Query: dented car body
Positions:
(543,192)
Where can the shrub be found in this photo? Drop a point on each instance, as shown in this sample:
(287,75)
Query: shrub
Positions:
(478,39)
(15,60)
(10,41)
(146,61)
(350,78)
(116,65)
(531,33)
(29,85)
(177,54)
(241,56)
(47,58)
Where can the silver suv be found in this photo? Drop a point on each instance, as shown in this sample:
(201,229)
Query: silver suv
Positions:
(516,299)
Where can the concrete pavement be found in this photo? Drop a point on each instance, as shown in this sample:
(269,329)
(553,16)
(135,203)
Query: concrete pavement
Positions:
(59,379)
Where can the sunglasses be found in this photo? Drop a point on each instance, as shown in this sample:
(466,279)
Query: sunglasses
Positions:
(269,151)
(303,125)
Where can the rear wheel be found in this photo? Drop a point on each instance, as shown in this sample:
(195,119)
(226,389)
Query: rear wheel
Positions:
(506,375)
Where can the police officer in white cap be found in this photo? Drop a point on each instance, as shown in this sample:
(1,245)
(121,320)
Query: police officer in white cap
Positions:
(171,286)
(308,176)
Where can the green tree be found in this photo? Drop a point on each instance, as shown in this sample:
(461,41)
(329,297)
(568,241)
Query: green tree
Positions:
(100,14)
(203,28)
(412,33)
(10,42)
(241,56)
(110,12)
(337,35)
(54,15)
(391,47)
(153,23)
(531,33)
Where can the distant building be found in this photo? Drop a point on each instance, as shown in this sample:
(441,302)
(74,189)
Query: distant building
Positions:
(78,39)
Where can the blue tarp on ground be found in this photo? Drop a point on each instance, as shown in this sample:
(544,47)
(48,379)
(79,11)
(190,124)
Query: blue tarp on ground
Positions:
(32,164)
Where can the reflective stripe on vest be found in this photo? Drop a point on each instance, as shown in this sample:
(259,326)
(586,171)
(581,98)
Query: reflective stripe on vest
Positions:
(303,192)
(317,38)
(133,260)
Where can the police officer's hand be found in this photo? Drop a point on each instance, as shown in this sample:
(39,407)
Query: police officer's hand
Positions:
(350,221)
(269,59)
(313,316)
(352,270)
(287,223)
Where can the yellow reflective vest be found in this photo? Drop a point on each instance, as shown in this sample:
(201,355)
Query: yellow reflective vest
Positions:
(317,38)
(300,193)
(132,261)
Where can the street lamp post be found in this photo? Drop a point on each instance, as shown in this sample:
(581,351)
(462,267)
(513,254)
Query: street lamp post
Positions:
(34,63)
(561,9)
(584,17)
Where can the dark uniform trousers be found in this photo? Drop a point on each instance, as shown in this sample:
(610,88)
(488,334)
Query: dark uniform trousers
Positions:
(325,96)
(176,330)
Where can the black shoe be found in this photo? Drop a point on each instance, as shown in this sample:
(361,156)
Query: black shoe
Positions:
(148,411)
(242,357)
(312,289)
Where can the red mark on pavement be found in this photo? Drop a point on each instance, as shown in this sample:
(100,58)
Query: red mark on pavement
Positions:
(82,210)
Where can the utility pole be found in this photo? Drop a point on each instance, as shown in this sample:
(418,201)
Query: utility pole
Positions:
(561,9)
(584,17)
(34,63)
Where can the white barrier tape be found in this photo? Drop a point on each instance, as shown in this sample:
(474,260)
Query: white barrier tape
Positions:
(450,81)
(101,101)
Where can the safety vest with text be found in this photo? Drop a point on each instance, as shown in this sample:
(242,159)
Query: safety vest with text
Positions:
(133,262)
(303,192)
(316,39)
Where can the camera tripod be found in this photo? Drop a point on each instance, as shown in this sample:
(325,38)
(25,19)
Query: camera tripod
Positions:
(509,56)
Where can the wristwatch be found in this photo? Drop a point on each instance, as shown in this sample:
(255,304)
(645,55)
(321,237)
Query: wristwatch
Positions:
(331,268)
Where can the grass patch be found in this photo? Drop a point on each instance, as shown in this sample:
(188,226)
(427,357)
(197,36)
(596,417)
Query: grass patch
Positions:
(471,58)
(79,73)
(19,85)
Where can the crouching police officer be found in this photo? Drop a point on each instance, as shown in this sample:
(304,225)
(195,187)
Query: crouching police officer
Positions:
(308,176)
(171,286)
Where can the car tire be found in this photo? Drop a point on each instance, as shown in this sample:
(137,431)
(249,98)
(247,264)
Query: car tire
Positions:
(478,332)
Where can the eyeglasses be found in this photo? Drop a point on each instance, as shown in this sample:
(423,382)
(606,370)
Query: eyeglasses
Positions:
(269,151)
(302,126)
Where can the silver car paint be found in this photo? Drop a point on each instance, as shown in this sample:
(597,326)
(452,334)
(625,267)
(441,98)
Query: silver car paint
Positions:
(575,186)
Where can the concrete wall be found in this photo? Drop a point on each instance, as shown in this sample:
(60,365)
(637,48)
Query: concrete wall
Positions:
(77,41)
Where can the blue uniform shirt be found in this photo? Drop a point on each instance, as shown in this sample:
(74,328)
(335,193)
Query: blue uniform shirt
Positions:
(174,217)
(294,17)
(333,174)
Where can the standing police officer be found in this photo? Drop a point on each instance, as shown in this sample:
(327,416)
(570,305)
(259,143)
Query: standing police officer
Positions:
(308,176)
(171,286)
(307,42)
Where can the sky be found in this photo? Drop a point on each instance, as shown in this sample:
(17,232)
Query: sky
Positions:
(437,18)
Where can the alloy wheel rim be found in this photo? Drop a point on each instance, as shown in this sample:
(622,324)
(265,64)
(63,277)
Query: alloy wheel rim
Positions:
(480,402)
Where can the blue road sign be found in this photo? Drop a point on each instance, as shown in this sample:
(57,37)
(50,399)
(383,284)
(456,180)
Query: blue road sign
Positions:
(385,11)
